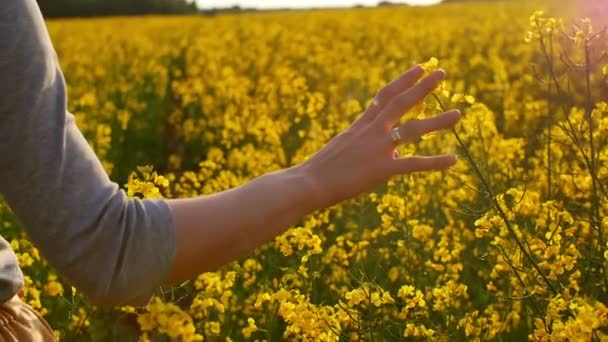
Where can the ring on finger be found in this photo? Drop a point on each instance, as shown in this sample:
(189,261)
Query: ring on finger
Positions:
(396,136)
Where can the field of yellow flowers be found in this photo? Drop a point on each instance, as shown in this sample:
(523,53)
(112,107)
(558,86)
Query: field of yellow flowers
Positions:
(510,244)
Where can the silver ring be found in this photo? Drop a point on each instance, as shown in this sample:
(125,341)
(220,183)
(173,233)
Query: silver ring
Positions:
(396,136)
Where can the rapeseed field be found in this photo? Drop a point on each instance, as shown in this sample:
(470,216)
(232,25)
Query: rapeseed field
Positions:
(509,244)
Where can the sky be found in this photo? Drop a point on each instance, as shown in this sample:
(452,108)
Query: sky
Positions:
(299,3)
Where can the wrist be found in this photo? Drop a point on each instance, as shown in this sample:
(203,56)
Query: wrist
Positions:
(314,195)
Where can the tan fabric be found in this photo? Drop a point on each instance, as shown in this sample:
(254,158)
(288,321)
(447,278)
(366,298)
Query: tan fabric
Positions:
(19,322)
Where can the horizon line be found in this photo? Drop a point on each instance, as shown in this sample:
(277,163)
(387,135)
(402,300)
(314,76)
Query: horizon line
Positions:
(299,7)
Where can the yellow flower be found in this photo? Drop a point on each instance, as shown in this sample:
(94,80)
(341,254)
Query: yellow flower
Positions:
(250,328)
(431,65)
(356,297)
(53,287)
(212,328)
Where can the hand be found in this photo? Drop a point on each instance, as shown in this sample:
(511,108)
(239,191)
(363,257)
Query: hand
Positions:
(364,156)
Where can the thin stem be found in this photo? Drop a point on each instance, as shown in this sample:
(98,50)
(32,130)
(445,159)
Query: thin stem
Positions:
(499,209)
(550,122)
(527,294)
(573,135)
(590,161)
(595,211)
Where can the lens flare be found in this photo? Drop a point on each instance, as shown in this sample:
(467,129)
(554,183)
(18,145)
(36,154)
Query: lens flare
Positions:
(597,10)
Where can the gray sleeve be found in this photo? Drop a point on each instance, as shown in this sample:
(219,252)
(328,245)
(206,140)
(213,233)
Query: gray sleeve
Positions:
(115,250)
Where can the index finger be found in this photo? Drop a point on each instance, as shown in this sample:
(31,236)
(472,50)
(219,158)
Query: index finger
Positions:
(405,101)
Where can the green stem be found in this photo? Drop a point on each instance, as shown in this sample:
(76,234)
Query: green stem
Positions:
(595,211)
(560,93)
(499,209)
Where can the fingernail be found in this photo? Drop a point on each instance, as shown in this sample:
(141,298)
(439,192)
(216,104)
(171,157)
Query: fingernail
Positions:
(454,159)
(455,112)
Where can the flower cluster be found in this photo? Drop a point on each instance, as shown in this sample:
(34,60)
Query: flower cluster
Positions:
(510,243)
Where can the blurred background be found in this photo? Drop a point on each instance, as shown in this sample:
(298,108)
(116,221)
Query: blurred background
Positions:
(86,8)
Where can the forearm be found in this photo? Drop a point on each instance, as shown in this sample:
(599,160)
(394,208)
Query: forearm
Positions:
(216,229)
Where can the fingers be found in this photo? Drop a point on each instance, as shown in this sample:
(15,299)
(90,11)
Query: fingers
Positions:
(394,88)
(403,102)
(415,164)
(399,85)
(413,129)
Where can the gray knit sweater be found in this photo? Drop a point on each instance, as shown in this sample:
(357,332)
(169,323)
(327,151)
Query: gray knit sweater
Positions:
(115,250)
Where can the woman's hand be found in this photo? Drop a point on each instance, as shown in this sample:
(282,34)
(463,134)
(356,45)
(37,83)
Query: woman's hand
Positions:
(216,229)
(364,156)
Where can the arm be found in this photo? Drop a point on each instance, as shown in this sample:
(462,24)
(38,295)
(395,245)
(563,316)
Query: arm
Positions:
(118,251)
(213,230)
(113,249)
